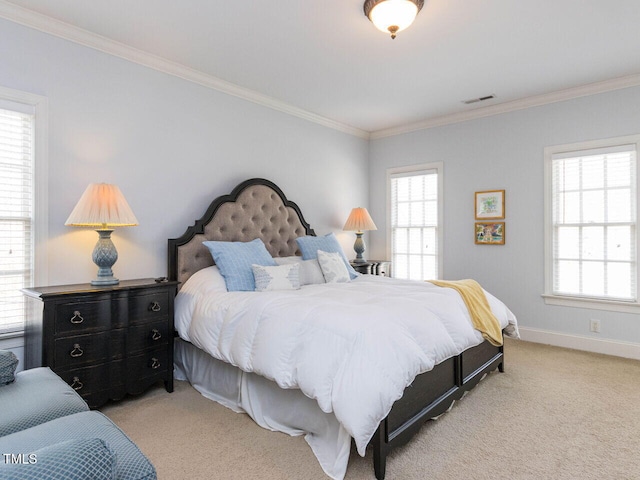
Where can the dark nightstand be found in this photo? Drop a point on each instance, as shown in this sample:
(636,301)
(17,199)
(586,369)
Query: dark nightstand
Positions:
(103,341)
(373,267)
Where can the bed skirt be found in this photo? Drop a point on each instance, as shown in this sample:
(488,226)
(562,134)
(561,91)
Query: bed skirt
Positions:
(271,407)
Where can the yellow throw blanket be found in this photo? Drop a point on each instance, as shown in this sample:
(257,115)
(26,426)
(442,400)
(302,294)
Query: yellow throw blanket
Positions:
(476,301)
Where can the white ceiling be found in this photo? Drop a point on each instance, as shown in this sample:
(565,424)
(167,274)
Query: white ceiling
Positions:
(325,57)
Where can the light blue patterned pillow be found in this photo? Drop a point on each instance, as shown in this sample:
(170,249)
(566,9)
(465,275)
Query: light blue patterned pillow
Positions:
(310,245)
(281,277)
(81,459)
(333,267)
(8,364)
(234,259)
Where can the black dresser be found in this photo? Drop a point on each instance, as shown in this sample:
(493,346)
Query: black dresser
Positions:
(373,267)
(103,341)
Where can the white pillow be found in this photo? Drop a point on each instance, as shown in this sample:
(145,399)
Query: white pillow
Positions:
(310,272)
(333,267)
(280,277)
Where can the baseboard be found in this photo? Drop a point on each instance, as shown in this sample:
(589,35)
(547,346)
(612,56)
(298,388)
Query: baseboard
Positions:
(608,347)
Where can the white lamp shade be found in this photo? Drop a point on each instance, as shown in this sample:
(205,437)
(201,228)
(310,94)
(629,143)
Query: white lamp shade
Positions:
(102,206)
(396,13)
(359,220)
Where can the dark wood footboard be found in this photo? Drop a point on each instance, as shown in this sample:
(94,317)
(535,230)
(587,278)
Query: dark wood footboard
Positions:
(430,395)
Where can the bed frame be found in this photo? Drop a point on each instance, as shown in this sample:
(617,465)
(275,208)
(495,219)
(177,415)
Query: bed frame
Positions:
(257,208)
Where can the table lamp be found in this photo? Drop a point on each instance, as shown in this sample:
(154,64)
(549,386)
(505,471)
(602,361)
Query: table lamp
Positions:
(103,207)
(359,220)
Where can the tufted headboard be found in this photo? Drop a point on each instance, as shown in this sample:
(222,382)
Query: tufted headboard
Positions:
(256,208)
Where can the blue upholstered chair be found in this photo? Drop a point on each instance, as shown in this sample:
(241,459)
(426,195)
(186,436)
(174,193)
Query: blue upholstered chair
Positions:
(48,432)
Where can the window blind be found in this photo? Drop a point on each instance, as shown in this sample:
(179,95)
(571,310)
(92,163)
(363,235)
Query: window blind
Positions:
(16,215)
(594,223)
(414,224)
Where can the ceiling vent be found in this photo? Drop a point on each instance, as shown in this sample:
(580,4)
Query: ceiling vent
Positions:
(479,99)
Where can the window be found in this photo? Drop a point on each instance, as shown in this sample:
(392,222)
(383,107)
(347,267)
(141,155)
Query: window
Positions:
(592,242)
(415,198)
(19,114)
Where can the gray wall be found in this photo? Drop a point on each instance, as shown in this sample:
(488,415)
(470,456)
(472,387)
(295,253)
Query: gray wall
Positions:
(171,146)
(506,152)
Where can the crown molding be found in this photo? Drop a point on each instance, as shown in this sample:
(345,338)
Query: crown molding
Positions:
(49,25)
(80,36)
(523,103)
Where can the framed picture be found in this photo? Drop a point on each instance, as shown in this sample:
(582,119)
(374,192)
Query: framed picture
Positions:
(490,205)
(490,233)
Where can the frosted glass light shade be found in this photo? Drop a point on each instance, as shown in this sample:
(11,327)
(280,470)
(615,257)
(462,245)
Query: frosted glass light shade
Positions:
(359,220)
(102,206)
(392,16)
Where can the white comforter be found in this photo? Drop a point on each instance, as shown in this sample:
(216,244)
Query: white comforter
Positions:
(353,347)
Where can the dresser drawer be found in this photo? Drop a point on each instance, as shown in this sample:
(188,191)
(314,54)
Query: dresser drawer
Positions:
(148,364)
(82,316)
(148,307)
(81,350)
(146,369)
(87,380)
(96,384)
(147,335)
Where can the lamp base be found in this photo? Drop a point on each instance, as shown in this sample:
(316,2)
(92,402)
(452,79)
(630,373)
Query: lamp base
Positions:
(359,248)
(104,256)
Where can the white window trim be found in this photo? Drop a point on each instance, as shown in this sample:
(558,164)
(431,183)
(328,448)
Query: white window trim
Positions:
(439,168)
(40,105)
(569,301)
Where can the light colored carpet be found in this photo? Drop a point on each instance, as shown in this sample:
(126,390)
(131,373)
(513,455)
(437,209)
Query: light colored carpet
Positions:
(554,414)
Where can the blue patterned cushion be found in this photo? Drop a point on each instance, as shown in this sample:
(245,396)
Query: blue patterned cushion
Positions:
(234,259)
(131,464)
(37,396)
(333,267)
(280,277)
(8,364)
(310,245)
(89,459)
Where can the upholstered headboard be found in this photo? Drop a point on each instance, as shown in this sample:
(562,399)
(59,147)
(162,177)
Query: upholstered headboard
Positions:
(256,208)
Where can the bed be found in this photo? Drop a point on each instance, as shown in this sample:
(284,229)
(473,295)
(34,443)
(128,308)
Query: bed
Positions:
(326,415)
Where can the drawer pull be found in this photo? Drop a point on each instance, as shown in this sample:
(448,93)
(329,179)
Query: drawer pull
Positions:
(154,307)
(155,363)
(77,318)
(77,384)
(77,351)
(155,334)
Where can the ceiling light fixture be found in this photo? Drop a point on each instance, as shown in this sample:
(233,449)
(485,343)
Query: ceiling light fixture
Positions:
(392,16)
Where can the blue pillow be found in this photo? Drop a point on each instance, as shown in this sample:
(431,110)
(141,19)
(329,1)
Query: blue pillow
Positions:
(8,364)
(80,459)
(310,245)
(234,259)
